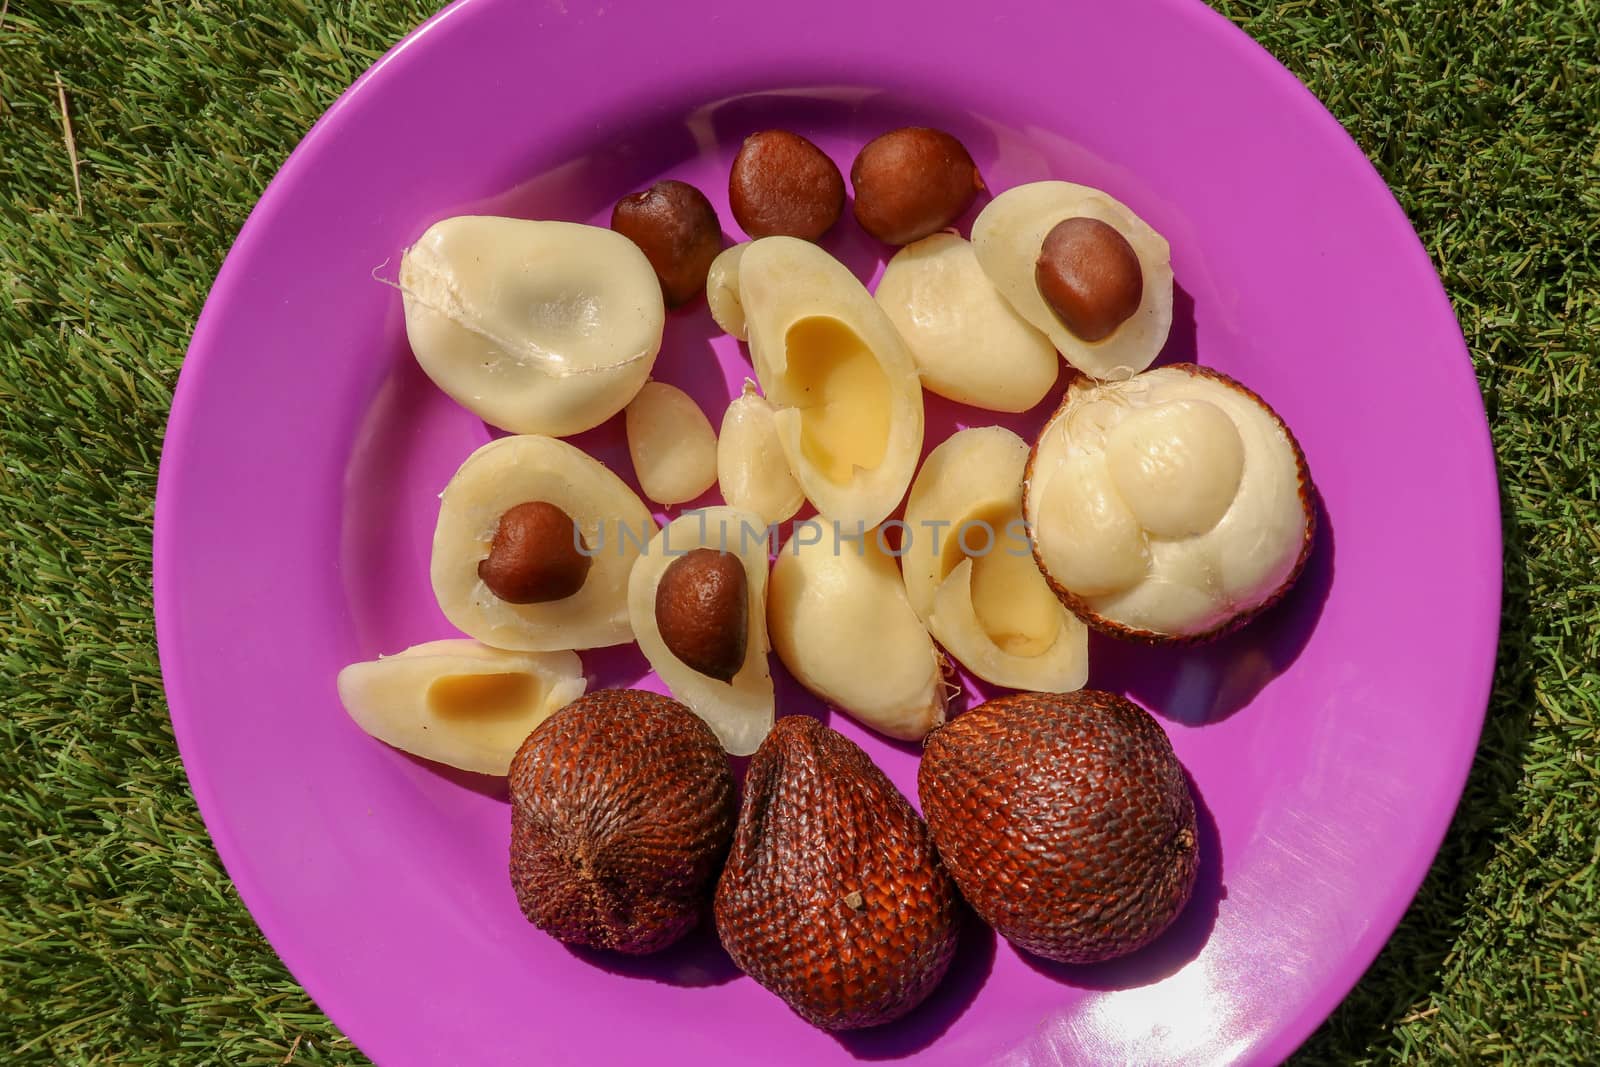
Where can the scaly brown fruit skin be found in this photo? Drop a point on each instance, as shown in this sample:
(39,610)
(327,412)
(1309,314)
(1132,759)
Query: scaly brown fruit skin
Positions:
(1094,620)
(833,897)
(1065,819)
(622,808)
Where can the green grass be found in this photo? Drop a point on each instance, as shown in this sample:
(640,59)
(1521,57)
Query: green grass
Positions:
(121,940)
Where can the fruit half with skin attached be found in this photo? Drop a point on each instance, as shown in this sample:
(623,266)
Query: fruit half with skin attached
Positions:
(840,379)
(841,623)
(458,702)
(533,326)
(1010,236)
(1065,819)
(704,634)
(622,808)
(470,542)
(1171,507)
(833,897)
(969,569)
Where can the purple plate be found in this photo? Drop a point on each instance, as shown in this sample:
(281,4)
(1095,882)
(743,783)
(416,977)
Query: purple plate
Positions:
(1328,742)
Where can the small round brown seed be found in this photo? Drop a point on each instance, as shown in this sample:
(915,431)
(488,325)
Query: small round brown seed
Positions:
(536,555)
(912,182)
(782,184)
(703,611)
(676,227)
(1089,275)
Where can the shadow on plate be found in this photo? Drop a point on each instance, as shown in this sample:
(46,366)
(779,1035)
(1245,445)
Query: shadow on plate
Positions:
(968,972)
(697,960)
(1179,944)
(1200,684)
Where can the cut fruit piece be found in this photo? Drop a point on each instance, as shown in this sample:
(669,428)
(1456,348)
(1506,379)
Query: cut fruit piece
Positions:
(841,623)
(722,290)
(970,574)
(1171,507)
(673,446)
(970,345)
(752,471)
(1008,236)
(458,702)
(843,385)
(740,711)
(535,327)
(613,523)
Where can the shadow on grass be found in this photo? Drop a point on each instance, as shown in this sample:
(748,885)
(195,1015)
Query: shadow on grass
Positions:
(1408,969)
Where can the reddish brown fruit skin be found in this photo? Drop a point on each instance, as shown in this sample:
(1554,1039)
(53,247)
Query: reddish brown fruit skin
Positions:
(622,807)
(833,897)
(912,182)
(1095,621)
(1065,819)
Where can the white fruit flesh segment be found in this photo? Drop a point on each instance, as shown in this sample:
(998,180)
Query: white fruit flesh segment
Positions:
(612,522)
(981,595)
(840,621)
(740,712)
(969,344)
(1194,583)
(1177,465)
(673,447)
(1087,537)
(458,702)
(752,471)
(536,327)
(848,406)
(722,290)
(1008,235)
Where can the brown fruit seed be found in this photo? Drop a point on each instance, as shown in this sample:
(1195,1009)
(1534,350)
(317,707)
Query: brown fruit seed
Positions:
(703,611)
(536,555)
(622,807)
(1090,276)
(833,897)
(676,227)
(912,182)
(783,185)
(1065,819)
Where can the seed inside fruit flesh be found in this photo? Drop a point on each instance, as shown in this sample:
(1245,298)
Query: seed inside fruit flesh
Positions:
(970,574)
(537,555)
(703,611)
(458,702)
(679,603)
(752,471)
(1090,277)
(670,440)
(1065,819)
(535,327)
(841,623)
(1171,507)
(969,344)
(912,182)
(622,809)
(833,897)
(838,375)
(1009,235)
(612,525)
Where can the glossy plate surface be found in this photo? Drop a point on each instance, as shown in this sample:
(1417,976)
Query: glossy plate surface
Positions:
(1328,742)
